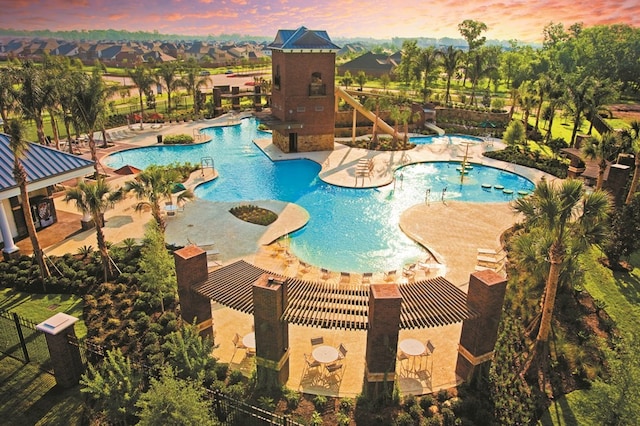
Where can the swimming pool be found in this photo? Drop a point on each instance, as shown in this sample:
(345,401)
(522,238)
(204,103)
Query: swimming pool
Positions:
(350,229)
(444,139)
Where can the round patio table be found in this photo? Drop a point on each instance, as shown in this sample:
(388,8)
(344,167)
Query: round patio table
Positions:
(412,347)
(325,354)
(249,340)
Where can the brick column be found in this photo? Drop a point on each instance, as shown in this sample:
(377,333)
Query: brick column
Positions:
(217,102)
(257,98)
(479,335)
(191,269)
(65,357)
(272,333)
(235,101)
(616,182)
(385,302)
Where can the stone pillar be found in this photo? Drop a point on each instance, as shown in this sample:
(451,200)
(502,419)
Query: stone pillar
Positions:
(272,333)
(10,250)
(191,269)
(65,356)
(257,99)
(217,101)
(385,302)
(616,183)
(479,334)
(235,100)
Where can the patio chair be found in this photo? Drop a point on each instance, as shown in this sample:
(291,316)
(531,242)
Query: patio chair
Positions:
(345,277)
(316,341)
(311,363)
(402,358)
(342,351)
(429,348)
(237,343)
(366,277)
(334,373)
(390,275)
(325,273)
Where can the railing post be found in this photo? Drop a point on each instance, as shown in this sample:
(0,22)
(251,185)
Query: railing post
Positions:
(23,344)
(65,357)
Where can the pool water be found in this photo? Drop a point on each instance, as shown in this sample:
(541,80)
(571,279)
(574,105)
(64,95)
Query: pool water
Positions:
(444,139)
(350,229)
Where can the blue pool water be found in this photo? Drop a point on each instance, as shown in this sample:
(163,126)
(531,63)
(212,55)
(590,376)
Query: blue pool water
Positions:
(349,229)
(444,139)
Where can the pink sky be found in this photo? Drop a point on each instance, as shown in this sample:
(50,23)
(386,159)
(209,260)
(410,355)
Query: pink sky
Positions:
(523,20)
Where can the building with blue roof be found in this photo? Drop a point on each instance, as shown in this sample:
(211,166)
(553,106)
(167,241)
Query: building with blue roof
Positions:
(45,167)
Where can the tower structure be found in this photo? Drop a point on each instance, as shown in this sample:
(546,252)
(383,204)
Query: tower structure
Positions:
(302,94)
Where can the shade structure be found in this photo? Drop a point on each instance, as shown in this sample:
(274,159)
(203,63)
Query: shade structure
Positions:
(428,303)
(127,170)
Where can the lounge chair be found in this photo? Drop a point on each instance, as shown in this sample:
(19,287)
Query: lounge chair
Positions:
(390,275)
(366,277)
(345,277)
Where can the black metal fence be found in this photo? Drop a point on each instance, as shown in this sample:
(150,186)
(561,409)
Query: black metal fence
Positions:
(19,339)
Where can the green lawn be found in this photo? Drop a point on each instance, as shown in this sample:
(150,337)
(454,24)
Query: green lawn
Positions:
(621,293)
(39,307)
(30,397)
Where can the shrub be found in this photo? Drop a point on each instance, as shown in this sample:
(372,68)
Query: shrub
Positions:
(177,139)
(404,419)
(292,397)
(320,402)
(346,405)
(254,214)
(316,419)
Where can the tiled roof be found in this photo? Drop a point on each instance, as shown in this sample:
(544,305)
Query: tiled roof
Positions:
(303,39)
(40,162)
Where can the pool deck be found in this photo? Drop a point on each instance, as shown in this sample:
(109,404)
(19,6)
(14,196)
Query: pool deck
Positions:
(451,230)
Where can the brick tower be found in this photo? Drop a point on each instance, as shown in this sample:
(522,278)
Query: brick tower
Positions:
(302,94)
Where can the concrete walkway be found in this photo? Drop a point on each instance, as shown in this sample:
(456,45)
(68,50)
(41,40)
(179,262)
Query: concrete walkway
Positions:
(452,231)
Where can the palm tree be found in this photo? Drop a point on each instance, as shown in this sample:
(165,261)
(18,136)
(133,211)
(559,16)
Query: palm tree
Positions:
(428,62)
(155,185)
(451,58)
(544,85)
(34,95)
(192,81)
(93,198)
(634,135)
(19,148)
(89,109)
(168,74)
(143,79)
(479,69)
(578,95)
(602,149)
(361,79)
(7,101)
(568,220)
(527,101)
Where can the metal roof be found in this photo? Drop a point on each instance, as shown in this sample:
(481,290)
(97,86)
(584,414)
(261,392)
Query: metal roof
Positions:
(44,166)
(428,303)
(303,39)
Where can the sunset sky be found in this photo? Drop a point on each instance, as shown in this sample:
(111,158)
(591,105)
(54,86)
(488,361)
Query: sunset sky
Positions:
(523,20)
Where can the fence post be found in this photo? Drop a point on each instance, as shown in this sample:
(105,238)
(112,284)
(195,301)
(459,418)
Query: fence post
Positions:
(65,357)
(23,344)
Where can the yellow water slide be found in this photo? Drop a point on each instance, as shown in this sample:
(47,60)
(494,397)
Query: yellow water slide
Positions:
(382,125)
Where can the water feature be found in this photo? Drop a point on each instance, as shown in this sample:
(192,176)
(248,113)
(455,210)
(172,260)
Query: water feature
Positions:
(350,229)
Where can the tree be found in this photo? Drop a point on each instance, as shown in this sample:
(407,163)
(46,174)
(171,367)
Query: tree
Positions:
(633,134)
(168,74)
(405,68)
(143,79)
(157,268)
(190,355)
(93,198)
(428,62)
(347,80)
(193,81)
(361,79)
(34,95)
(527,101)
(155,185)
(568,220)
(603,149)
(451,58)
(385,80)
(625,232)
(7,101)
(19,147)
(89,107)
(514,134)
(578,94)
(114,386)
(171,401)
(470,31)
(478,69)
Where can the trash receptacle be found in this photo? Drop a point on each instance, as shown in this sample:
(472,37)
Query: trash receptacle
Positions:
(159,138)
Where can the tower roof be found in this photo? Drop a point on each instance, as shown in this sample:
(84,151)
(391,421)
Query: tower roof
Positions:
(303,40)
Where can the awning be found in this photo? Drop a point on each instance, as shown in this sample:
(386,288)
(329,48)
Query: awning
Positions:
(428,303)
